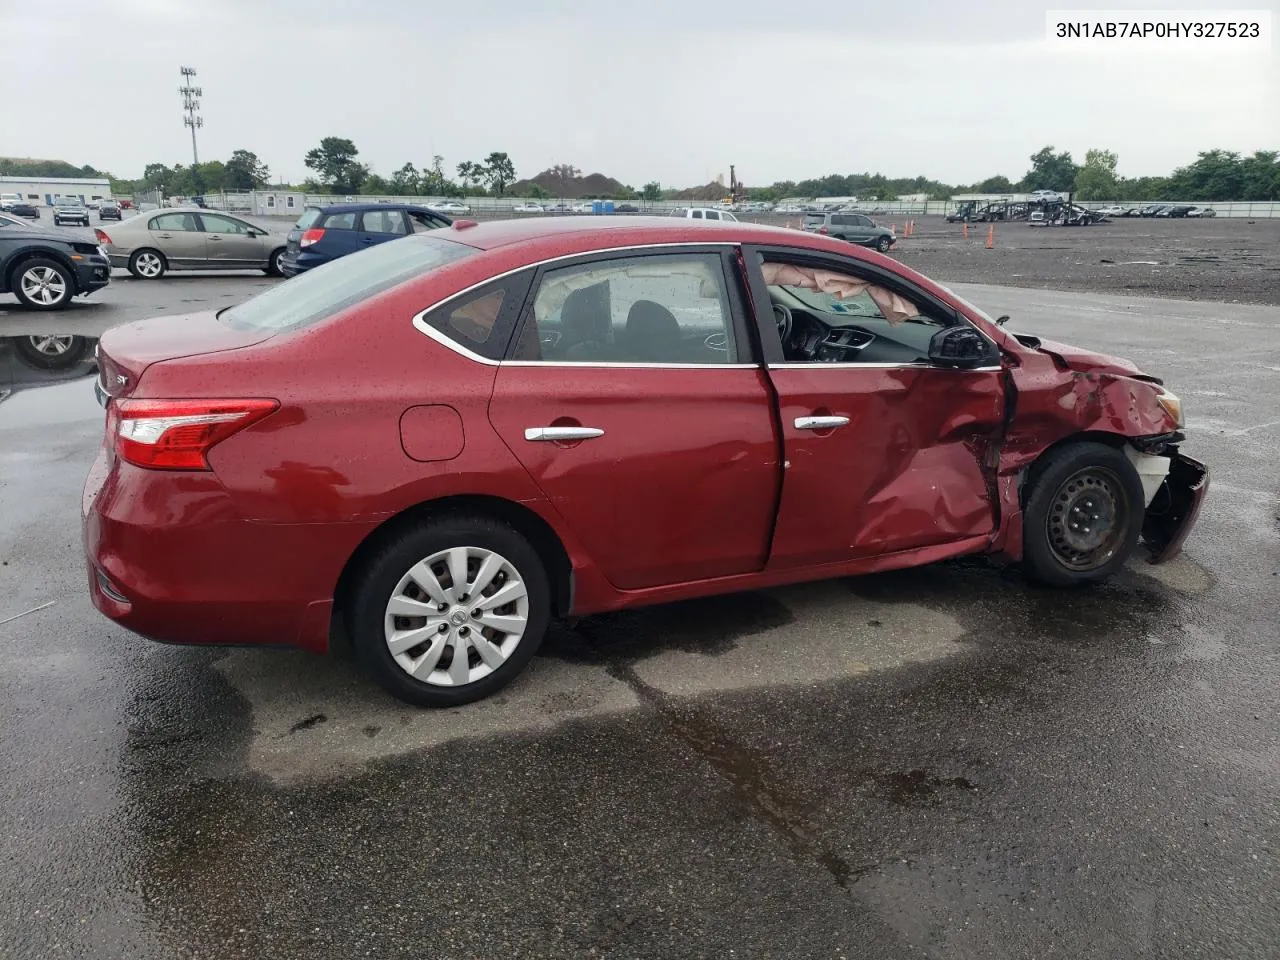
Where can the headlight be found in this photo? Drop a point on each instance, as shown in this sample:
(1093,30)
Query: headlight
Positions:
(1172,406)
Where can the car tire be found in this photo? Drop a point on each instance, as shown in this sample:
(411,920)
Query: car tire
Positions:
(1083,515)
(273,268)
(884,243)
(394,573)
(42,284)
(148,264)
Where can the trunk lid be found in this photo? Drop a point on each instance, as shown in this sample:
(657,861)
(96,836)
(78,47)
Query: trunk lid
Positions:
(125,352)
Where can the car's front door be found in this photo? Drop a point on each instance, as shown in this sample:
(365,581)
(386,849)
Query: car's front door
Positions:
(884,451)
(631,399)
(178,236)
(232,243)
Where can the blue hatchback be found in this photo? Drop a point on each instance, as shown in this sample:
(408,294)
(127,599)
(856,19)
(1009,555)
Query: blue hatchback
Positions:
(327,233)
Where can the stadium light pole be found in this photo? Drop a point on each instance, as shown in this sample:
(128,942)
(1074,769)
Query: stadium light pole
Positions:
(190,104)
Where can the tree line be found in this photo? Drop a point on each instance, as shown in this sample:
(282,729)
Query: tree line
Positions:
(1215,175)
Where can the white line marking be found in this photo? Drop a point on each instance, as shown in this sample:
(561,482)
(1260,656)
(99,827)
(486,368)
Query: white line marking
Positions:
(43,606)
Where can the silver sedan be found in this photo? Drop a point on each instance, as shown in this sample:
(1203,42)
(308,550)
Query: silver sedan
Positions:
(191,238)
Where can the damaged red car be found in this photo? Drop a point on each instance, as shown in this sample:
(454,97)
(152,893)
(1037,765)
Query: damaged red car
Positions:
(447,440)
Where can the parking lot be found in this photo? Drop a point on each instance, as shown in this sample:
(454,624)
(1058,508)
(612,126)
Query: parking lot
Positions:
(943,762)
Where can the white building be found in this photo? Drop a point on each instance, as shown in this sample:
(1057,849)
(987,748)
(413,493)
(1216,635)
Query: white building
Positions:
(43,190)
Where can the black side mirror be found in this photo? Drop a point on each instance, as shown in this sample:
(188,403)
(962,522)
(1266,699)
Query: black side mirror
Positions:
(962,347)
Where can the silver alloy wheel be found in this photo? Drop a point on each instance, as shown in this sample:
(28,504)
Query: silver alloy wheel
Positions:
(456,616)
(51,346)
(275,261)
(43,285)
(148,264)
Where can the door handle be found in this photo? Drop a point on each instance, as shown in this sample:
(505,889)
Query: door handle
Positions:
(165,236)
(214,238)
(820,423)
(562,433)
(368,240)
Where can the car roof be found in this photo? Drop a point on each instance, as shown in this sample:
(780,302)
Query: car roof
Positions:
(361,207)
(588,233)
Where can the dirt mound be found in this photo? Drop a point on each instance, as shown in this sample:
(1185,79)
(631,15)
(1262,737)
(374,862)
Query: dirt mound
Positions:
(712,191)
(569,188)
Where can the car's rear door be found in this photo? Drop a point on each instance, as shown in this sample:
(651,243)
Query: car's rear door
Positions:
(231,243)
(631,399)
(178,236)
(379,226)
(885,453)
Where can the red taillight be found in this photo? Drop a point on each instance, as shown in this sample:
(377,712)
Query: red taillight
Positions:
(314,235)
(177,434)
(822,229)
(101,235)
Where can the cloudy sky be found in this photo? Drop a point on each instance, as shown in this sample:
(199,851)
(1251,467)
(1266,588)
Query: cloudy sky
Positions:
(672,90)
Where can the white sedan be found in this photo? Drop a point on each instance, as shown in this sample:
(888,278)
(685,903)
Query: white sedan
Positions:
(450,206)
(528,208)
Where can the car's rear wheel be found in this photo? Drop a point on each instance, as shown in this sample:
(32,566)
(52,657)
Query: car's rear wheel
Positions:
(43,284)
(273,264)
(1083,515)
(883,244)
(148,264)
(450,610)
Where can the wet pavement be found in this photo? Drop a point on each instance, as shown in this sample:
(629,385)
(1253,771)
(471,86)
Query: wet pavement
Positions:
(945,762)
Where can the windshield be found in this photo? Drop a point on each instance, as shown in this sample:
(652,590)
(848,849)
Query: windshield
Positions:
(10,222)
(323,291)
(972,308)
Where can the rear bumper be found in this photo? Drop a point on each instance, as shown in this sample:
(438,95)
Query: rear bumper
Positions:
(1176,506)
(292,264)
(169,558)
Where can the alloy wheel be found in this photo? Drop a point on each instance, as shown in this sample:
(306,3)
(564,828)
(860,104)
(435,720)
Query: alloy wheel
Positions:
(44,285)
(149,264)
(1088,519)
(456,616)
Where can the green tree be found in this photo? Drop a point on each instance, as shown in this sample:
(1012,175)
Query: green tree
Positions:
(1050,171)
(537,193)
(1096,180)
(1261,176)
(376,186)
(652,192)
(335,163)
(996,184)
(406,180)
(498,171)
(244,171)
(470,173)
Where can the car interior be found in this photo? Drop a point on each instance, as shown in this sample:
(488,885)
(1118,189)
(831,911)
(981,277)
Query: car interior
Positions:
(637,310)
(824,316)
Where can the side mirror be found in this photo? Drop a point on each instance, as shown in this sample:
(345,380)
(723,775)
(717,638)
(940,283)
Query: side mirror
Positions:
(962,347)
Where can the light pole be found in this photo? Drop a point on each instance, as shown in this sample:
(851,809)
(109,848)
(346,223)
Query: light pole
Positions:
(190,104)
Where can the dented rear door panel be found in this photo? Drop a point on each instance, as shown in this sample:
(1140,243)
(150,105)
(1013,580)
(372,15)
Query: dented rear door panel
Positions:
(914,466)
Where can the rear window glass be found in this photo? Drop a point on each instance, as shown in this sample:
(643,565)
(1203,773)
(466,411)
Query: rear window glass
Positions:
(815,218)
(323,291)
(308,218)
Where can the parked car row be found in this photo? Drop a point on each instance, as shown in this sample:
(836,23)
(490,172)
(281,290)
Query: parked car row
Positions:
(1158,210)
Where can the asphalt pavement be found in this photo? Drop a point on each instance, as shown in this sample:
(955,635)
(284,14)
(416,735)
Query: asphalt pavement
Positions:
(943,762)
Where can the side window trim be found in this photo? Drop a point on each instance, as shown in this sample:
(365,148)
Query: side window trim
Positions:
(739,316)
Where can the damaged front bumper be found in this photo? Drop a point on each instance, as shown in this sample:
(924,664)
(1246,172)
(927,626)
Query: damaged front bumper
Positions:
(1174,509)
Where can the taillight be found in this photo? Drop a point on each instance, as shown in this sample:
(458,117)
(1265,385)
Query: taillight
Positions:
(823,228)
(101,235)
(314,235)
(177,434)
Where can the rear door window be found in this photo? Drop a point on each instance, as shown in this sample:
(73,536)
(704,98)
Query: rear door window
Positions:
(384,221)
(340,221)
(175,221)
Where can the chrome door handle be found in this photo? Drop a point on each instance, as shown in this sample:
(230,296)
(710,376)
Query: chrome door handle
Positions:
(562,433)
(820,423)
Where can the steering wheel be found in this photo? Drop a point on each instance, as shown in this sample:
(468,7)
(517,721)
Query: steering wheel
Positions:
(782,316)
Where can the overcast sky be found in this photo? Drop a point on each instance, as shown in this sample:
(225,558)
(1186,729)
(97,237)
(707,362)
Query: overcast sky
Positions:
(668,90)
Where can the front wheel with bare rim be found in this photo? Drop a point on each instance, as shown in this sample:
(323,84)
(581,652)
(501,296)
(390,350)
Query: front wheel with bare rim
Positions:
(1083,514)
(449,610)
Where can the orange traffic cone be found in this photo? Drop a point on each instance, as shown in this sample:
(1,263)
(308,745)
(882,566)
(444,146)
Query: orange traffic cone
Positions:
(991,237)
(964,231)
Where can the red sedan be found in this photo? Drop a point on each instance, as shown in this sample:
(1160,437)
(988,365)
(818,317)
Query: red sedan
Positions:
(449,439)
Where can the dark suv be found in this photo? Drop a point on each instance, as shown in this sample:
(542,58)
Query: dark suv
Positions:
(854,227)
(326,233)
(44,269)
